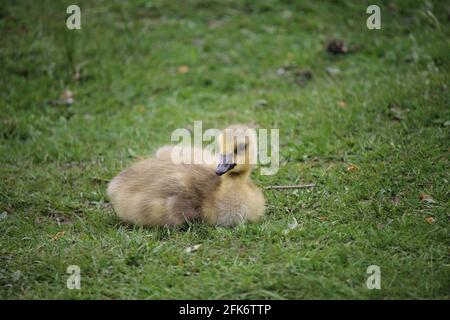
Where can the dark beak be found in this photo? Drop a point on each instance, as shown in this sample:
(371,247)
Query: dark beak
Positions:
(225,165)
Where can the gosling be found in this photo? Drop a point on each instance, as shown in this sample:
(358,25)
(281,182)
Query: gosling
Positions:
(156,192)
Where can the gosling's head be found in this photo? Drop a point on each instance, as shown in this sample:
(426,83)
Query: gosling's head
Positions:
(237,150)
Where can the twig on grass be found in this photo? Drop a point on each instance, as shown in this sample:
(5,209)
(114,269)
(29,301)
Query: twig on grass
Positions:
(298,186)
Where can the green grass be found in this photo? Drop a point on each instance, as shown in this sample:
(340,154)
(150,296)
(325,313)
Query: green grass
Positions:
(394,126)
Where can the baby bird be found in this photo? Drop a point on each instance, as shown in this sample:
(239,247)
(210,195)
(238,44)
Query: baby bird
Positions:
(158,192)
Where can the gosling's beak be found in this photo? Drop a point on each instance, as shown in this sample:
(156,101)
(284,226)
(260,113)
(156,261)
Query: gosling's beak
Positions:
(225,165)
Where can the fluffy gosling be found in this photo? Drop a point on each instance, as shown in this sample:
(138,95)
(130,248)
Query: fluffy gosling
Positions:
(158,192)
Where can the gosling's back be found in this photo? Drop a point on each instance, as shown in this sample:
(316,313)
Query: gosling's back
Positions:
(155,192)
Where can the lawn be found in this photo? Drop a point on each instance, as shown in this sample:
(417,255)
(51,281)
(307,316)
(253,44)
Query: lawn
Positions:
(370,127)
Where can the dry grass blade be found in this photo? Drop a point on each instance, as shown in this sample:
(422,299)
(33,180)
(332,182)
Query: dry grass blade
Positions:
(298,186)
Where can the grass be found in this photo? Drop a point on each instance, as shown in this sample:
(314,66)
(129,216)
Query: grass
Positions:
(386,112)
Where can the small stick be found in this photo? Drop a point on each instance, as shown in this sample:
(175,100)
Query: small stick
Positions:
(298,186)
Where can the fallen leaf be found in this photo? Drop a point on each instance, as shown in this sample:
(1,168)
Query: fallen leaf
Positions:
(352,168)
(342,104)
(183,69)
(430,220)
(192,248)
(426,198)
(58,235)
(337,47)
